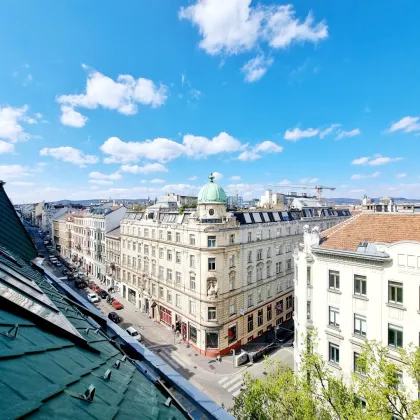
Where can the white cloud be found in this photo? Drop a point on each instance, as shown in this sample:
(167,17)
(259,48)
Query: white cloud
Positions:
(247,191)
(401,175)
(268,147)
(180,189)
(264,147)
(297,134)
(192,178)
(100,182)
(284,182)
(235,178)
(71,117)
(364,176)
(98,175)
(69,154)
(248,155)
(121,95)
(10,123)
(358,190)
(406,124)
(308,180)
(234,26)
(6,148)
(342,134)
(157,181)
(324,133)
(162,149)
(12,171)
(255,68)
(146,169)
(217,176)
(22,184)
(376,160)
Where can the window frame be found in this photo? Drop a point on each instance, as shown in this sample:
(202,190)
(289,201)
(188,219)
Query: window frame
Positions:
(333,353)
(360,281)
(396,287)
(333,275)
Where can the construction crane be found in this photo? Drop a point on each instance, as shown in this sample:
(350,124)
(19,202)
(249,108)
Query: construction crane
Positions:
(318,188)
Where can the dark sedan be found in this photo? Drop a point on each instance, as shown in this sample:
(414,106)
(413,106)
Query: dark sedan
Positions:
(103,294)
(113,316)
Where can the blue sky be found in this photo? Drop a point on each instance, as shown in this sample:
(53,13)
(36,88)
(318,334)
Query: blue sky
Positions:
(149,97)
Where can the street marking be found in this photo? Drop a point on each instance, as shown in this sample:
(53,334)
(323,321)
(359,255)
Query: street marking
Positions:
(236,393)
(223,380)
(169,360)
(235,386)
(231,381)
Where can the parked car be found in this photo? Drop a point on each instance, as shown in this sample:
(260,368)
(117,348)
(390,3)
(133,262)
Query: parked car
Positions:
(70,276)
(81,276)
(110,299)
(103,294)
(96,288)
(91,284)
(58,263)
(65,272)
(93,297)
(113,316)
(41,255)
(46,242)
(117,305)
(81,284)
(134,333)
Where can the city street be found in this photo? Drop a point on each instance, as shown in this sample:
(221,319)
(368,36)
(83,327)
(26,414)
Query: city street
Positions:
(221,381)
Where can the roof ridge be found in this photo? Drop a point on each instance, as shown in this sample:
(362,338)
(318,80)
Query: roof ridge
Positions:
(337,228)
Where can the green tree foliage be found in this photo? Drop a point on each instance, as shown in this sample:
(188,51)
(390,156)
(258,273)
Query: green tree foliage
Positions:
(316,392)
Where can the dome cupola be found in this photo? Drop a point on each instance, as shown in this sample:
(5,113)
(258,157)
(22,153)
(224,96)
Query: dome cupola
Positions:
(212,193)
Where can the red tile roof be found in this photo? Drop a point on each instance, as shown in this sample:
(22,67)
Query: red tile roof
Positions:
(376,228)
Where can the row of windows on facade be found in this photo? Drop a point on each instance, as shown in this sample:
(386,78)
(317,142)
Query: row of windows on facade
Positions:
(99,236)
(114,245)
(211,242)
(89,222)
(132,279)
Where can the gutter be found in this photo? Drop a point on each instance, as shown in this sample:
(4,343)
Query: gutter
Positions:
(371,257)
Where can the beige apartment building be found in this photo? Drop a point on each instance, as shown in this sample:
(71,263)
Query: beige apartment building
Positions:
(219,278)
(112,259)
(61,234)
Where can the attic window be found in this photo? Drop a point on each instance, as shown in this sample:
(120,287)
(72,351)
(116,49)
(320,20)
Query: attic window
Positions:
(363,244)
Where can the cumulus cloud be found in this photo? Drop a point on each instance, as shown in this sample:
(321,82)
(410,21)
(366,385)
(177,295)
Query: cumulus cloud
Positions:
(98,175)
(406,124)
(325,132)
(121,95)
(255,68)
(192,178)
(157,181)
(235,178)
(248,155)
(297,134)
(217,176)
(10,123)
(357,177)
(162,149)
(343,134)
(100,182)
(69,154)
(6,148)
(234,26)
(146,169)
(264,147)
(376,160)
(402,175)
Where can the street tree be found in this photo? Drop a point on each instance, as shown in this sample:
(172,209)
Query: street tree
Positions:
(373,391)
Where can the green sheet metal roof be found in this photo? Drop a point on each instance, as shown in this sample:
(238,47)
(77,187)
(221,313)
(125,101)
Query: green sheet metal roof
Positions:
(41,371)
(13,235)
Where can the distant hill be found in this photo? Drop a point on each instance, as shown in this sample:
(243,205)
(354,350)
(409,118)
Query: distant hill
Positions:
(95,201)
(376,200)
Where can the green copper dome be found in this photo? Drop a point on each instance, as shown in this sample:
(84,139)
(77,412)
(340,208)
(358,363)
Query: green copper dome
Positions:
(212,193)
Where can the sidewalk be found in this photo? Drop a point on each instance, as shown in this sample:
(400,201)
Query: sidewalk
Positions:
(162,337)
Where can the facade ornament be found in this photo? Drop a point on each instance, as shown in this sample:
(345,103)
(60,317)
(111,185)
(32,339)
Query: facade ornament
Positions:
(212,288)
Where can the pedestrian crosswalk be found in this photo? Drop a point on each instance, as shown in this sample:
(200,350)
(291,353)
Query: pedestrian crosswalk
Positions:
(232,385)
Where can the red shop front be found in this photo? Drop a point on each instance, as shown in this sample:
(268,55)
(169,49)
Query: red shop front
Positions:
(165,315)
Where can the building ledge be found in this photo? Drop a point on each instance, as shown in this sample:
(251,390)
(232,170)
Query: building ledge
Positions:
(396,306)
(360,297)
(335,365)
(337,292)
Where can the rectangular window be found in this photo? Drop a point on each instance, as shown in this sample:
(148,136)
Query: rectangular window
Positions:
(178,277)
(259,235)
(192,261)
(169,274)
(232,281)
(334,316)
(395,336)
(178,301)
(359,285)
(177,237)
(153,289)
(192,307)
(192,283)
(279,307)
(395,293)
(360,325)
(211,241)
(232,309)
(212,264)
(146,233)
(269,313)
(192,240)
(211,313)
(268,271)
(289,302)
(260,317)
(334,280)
(134,262)
(161,234)
(268,252)
(161,272)
(161,253)
(169,236)
(334,353)
(178,257)
(153,233)
(308,275)
(232,240)
(259,254)
(161,292)
(278,267)
(289,264)
(249,301)
(231,261)
(249,256)
(232,334)
(153,251)
(259,273)
(249,237)
(356,366)
(169,296)
(308,310)
(169,255)
(250,322)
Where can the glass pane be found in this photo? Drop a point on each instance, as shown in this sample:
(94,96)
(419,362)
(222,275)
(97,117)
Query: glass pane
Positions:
(399,294)
(399,339)
(363,287)
(357,287)
(391,337)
